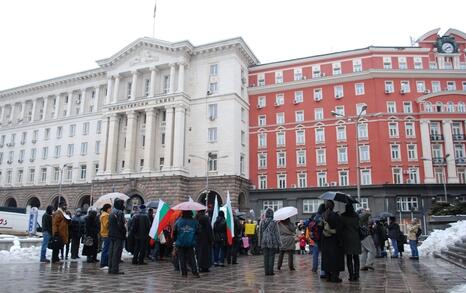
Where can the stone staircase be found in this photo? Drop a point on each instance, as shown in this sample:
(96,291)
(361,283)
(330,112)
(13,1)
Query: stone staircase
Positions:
(456,254)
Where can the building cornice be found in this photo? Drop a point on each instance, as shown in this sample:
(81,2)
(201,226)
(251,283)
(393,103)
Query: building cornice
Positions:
(437,94)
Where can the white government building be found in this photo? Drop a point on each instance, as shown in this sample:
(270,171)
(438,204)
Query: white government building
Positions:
(149,121)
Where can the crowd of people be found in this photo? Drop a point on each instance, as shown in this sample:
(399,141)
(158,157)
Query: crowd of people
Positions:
(193,240)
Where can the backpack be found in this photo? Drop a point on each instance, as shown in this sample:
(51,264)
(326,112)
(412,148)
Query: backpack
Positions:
(418,233)
(314,230)
(185,233)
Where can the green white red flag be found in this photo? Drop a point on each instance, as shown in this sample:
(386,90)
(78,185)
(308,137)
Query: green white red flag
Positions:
(161,219)
(229,219)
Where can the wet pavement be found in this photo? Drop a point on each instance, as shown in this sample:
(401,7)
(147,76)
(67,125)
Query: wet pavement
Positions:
(390,275)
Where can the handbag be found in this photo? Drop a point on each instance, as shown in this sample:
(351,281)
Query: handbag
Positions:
(88,241)
(55,243)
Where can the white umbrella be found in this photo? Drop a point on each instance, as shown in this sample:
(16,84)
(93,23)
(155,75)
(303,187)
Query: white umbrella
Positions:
(285,213)
(109,198)
(189,206)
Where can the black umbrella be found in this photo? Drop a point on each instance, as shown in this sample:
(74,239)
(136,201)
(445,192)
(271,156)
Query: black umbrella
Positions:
(338,196)
(152,204)
(384,215)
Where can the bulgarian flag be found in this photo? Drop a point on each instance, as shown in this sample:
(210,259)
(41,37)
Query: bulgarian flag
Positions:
(229,220)
(161,219)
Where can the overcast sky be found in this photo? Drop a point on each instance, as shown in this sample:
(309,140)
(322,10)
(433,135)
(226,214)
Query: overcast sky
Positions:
(42,39)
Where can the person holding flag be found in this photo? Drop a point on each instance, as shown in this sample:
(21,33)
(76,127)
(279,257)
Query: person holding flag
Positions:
(220,239)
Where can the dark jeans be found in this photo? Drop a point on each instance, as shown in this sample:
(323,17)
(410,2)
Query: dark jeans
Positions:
(114,255)
(104,255)
(352,262)
(55,254)
(66,249)
(75,247)
(45,241)
(232,252)
(185,256)
(269,260)
(140,250)
(219,253)
(290,258)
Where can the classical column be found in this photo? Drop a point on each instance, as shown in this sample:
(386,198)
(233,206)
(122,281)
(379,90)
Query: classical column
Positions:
(178,137)
(153,77)
(23,111)
(33,110)
(2,112)
(149,149)
(70,102)
(112,145)
(134,84)
(44,109)
(450,149)
(115,89)
(172,79)
(82,104)
(57,107)
(12,113)
(131,142)
(109,90)
(181,77)
(103,146)
(96,98)
(427,152)
(168,152)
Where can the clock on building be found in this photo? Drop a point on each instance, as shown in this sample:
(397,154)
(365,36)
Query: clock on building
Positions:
(448,47)
(446,44)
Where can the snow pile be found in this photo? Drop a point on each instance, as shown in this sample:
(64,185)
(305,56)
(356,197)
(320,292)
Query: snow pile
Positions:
(458,289)
(440,239)
(21,255)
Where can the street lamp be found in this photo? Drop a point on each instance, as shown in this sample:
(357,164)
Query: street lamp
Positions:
(358,184)
(60,181)
(209,156)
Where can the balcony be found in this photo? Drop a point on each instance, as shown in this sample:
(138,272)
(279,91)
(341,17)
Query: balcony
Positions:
(460,161)
(438,161)
(436,137)
(459,137)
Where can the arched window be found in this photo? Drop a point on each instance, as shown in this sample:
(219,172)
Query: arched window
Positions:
(450,107)
(461,107)
(439,107)
(33,202)
(428,107)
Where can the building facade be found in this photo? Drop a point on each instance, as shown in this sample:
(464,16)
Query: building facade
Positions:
(155,120)
(389,119)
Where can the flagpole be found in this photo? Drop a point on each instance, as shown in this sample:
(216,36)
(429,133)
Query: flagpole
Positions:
(153,23)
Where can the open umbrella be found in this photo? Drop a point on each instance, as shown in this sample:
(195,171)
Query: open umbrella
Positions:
(338,196)
(384,215)
(109,198)
(152,204)
(285,213)
(189,206)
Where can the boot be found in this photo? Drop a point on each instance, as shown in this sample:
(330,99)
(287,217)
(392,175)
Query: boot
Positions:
(350,273)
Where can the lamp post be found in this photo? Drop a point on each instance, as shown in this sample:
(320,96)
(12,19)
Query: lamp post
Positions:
(209,156)
(356,145)
(60,181)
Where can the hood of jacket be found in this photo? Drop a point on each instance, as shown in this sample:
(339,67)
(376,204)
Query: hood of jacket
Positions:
(118,204)
(269,213)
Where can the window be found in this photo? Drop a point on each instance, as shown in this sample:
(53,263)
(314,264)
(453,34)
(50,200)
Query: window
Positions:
(166,84)
(387,63)
(97,147)
(280,118)
(35,135)
(405,88)
(213,87)
(46,133)
(19,177)
(318,113)
(437,152)
(22,152)
(278,77)
(281,159)
(418,63)
(407,107)
(213,69)
(260,79)
(57,151)
(428,107)
(338,91)
(412,152)
(212,109)
(321,156)
(340,110)
(72,130)
(366,178)
(461,175)
(82,172)
(263,182)
(1,159)
(262,138)
(33,155)
(56,174)
(212,162)
(99,127)
(321,179)
(302,180)
(409,129)
(83,148)
(359,109)
(336,68)
(436,86)
(261,102)
(43,175)
(395,152)
(242,163)
(45,153)
(413,175)
(389,88)
(70,150)
(129,85)
(272,204)
(298,73)
(85,128)
(364,154)
(464,85)
(298,97)
(402,63)
(459,152)
(59,131)
(420,86)
(320,135)
(299,116)
(343,178)
(311,205)
(96,168)
(362,131)
(357,65)
(243,115)
(364,203)
(342,155)
(341,133)
(69,173)
(212,134)
(243,138)
(406,203)
(146,87)
(318,96)
(300,138)
(316,71)
(281,181)
(301,158)
(261,120)
(8,177)
(451,86)
(359,89)
(393,129)
(279,99)
(262,161)
(280,139)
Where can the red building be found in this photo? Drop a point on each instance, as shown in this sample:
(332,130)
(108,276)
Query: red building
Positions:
(303,122)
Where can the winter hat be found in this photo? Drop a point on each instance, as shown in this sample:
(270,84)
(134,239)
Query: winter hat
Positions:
(118,204)
(221,214)
(269,213)
(142,207)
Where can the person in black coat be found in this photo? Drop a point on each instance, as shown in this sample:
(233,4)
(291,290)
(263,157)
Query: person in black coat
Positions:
(333,257)
(46,233)
(220,239)
(232,250)
(91,240)
(76,232)
(351,241)
(394,235)
(204,243)
(117,235)
(140,230)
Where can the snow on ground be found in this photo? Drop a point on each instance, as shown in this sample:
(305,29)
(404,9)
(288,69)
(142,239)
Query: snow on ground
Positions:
(458,289)
(440,239)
